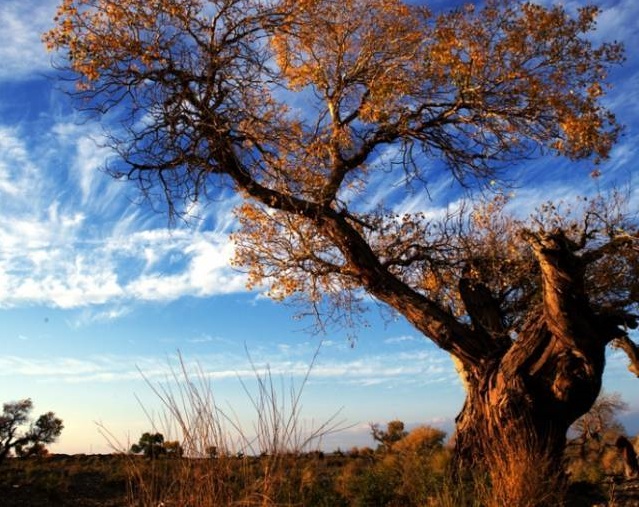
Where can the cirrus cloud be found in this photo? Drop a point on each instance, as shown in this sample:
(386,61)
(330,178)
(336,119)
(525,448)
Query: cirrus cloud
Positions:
(109,252)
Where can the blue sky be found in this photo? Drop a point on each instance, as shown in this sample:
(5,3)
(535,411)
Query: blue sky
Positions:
(95,288)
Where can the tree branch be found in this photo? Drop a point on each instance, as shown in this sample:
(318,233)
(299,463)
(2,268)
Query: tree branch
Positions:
(611,247)
(632,351)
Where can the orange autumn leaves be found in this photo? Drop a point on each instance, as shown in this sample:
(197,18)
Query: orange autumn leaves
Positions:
(349,49)
(518,70)
(502,74)
(224,80)
(100,35)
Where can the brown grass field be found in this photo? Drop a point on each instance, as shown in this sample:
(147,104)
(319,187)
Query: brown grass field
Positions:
(363,479)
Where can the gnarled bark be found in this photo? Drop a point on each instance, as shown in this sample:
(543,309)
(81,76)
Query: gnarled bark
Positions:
(519,406)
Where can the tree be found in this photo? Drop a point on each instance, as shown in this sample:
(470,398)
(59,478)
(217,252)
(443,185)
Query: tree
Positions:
(150,444)
(395,97)
(600,428)
(387,438)
(30,442)
(422,440)
(600,422)
(173,449)
(591,452)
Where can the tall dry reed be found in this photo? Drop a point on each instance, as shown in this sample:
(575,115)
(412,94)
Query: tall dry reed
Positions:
(224,463)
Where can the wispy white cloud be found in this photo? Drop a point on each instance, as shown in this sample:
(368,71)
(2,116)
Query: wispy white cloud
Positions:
(21,50)
(400,339)
(64,369)
(68,242)
(95,315)
(619,20)
(70,236)
(204,338)
(418,368)
(392,368)
(86,146)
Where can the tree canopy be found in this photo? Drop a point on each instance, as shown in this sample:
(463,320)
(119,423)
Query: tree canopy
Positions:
(26,442)
(152,445)
(393,433)
(208,86)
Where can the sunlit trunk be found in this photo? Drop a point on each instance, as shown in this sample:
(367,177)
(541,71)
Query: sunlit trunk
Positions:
(513,427)
(519,406)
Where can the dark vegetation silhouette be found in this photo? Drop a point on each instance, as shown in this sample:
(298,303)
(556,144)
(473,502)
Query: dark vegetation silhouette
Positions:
(398,95)
(153,445)
(22,436)
(150,444)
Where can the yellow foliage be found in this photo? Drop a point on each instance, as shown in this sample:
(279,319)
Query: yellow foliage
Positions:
(474,87)
(420,439)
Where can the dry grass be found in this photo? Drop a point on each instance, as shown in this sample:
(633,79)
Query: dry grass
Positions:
(522,471)
(271,462)
(225,463)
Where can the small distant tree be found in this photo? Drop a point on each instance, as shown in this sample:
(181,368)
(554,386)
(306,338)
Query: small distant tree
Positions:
(601,420)
(394,433)
(592,452)
(173,449)
(31,442)
(150,444)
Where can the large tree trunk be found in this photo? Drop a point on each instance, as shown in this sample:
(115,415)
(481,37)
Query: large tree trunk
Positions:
(512,428)
(513,424)
(521,403)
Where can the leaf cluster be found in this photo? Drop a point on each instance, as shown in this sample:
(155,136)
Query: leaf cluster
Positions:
(205,82)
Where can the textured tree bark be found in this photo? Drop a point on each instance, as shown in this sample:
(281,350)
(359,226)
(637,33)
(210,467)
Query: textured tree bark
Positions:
(514,422)
(520,404)
(523,391)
